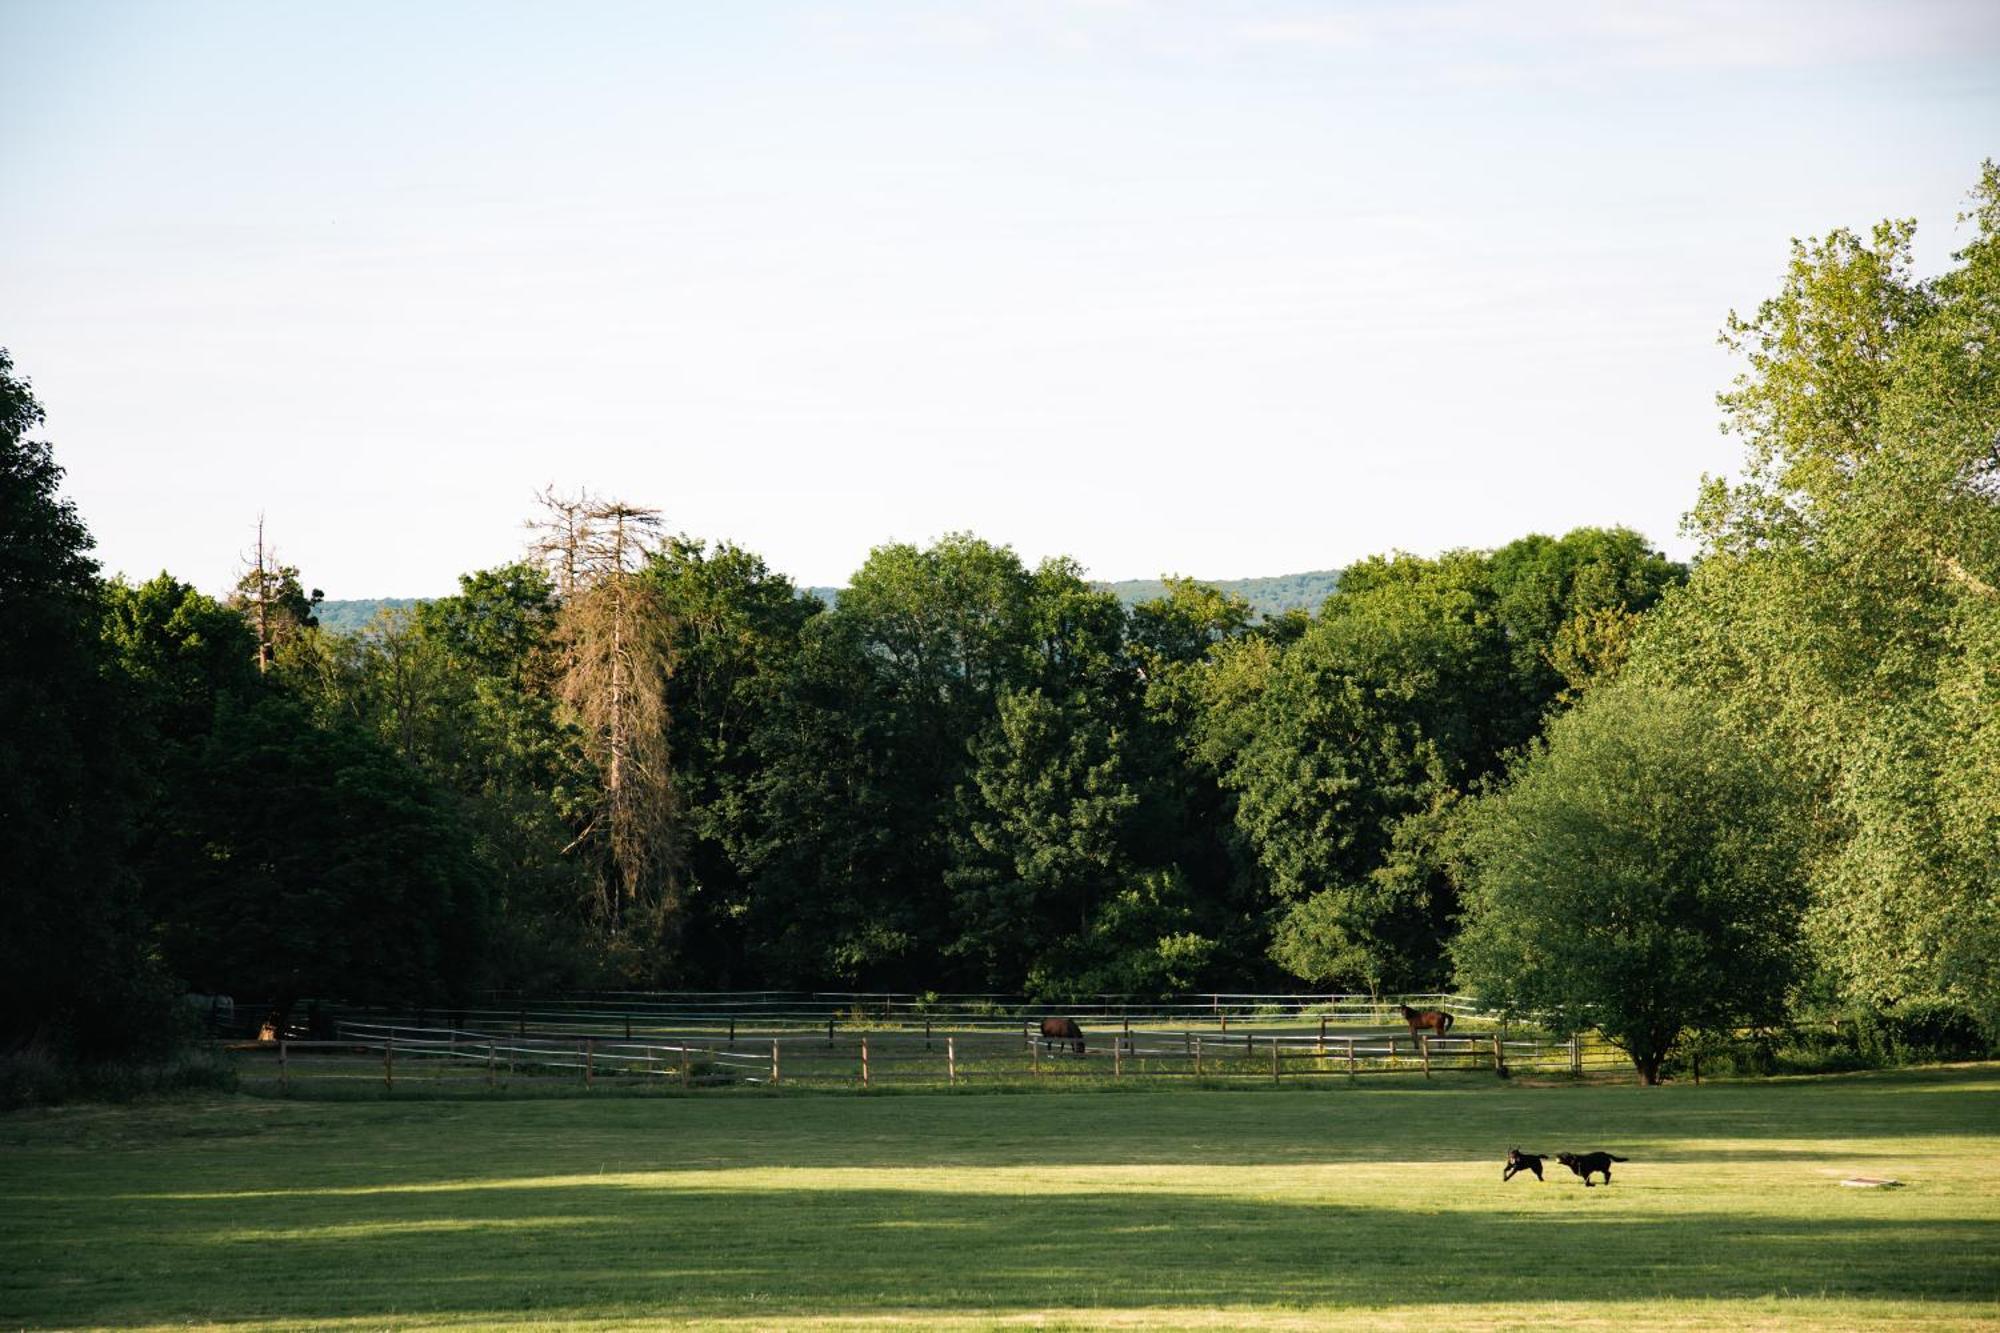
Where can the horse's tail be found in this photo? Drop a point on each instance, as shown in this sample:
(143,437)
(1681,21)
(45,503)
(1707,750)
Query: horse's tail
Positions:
(1448,1021)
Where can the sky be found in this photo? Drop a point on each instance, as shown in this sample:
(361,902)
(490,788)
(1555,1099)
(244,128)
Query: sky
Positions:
(1221,289)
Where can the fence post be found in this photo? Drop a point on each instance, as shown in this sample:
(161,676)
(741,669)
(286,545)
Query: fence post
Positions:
(628,1027)
(1035,1056)
(1224,1014)
(1576,1053)
(284,1073)
(829,1031)
(1274,1059)
(774,1062)
(1197,1057)
(927,1034)
(1117,1057)
(1321,1049)
(1499,1063)
(732,1032)
(389,1062)
(951,1061)
(521,1021)
(1351,1071)
(589,1061)
(1249,1045)
(489,1064)
(1424,1050)
(687,1074)
(864,1061)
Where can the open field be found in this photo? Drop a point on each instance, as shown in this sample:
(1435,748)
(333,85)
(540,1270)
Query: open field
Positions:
(1378,1204)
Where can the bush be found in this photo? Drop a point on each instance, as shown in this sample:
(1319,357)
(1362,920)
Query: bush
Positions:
(1921,1031)
(1916,1032)
(41,1078)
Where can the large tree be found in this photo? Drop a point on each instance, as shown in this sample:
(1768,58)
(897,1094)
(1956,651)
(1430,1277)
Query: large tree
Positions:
(1639,873)
(74,970)
(300,860)
(1848,601)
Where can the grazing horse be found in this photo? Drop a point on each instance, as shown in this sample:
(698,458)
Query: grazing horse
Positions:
(1437,1020)
(1059,1030)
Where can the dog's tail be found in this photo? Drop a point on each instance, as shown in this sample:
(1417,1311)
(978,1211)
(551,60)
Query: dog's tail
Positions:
(1616,1158)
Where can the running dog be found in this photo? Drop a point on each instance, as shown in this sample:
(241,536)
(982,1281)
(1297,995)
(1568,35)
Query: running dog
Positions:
(1522,1161)
(1585,1163)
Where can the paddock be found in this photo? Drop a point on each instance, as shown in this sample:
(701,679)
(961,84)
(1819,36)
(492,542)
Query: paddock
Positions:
(1294,1208)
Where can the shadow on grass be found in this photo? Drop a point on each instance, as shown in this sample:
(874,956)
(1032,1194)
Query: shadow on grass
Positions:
(642,1252)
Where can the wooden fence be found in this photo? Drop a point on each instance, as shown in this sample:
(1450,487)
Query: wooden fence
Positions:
(729,1014)
(389,1057)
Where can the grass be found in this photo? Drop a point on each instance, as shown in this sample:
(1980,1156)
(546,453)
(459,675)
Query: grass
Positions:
(1374,1205)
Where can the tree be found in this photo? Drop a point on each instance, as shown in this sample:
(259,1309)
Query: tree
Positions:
(181,650)
(308,861)
(271,598)
(1846,603)
(615,653)
(734,628)
(74,970)
(1397,695)
(1044,847)
(1639,873)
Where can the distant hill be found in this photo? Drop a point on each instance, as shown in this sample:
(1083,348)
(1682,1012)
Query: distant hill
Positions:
(1271,596)
(349,617)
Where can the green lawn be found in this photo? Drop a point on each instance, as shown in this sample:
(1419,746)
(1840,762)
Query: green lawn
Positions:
(1379,1204)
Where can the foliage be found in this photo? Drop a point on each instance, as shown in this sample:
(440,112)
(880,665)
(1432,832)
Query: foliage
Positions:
(75,973)
(1638,873)
(1846,611)
(299,860)
(1415,681)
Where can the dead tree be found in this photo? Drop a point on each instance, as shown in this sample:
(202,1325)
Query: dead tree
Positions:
(269,597)
(616,658)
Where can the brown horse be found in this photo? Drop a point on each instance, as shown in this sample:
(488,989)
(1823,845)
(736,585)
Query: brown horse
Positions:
(1060,1030)
(1436,1020)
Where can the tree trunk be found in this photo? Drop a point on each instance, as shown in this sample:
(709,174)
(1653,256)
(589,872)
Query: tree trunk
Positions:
(1649,1069)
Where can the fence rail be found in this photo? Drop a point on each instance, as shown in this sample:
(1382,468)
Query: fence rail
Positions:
(452,1058)
(635,1015)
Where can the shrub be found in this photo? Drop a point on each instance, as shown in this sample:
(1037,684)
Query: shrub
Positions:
(1921,1030)
(42,1078)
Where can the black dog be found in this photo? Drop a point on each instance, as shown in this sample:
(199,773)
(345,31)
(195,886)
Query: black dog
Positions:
(1585,1163)
(1522,1161)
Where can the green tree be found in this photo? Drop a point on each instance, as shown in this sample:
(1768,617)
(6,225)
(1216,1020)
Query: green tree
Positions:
(1044,847)
(735,627)
(75,972)
(1639,873)
(1846,601)
(1397,695)
(309,861)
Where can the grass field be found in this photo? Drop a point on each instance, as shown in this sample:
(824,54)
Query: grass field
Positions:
(1373,1205)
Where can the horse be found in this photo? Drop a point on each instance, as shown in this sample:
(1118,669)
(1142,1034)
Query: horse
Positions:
(1059,1030)
(1436,1020)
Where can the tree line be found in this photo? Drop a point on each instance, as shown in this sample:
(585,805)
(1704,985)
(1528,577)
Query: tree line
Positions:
(1568,773)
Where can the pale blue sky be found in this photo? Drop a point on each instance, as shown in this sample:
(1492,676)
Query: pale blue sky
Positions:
(1223,289)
